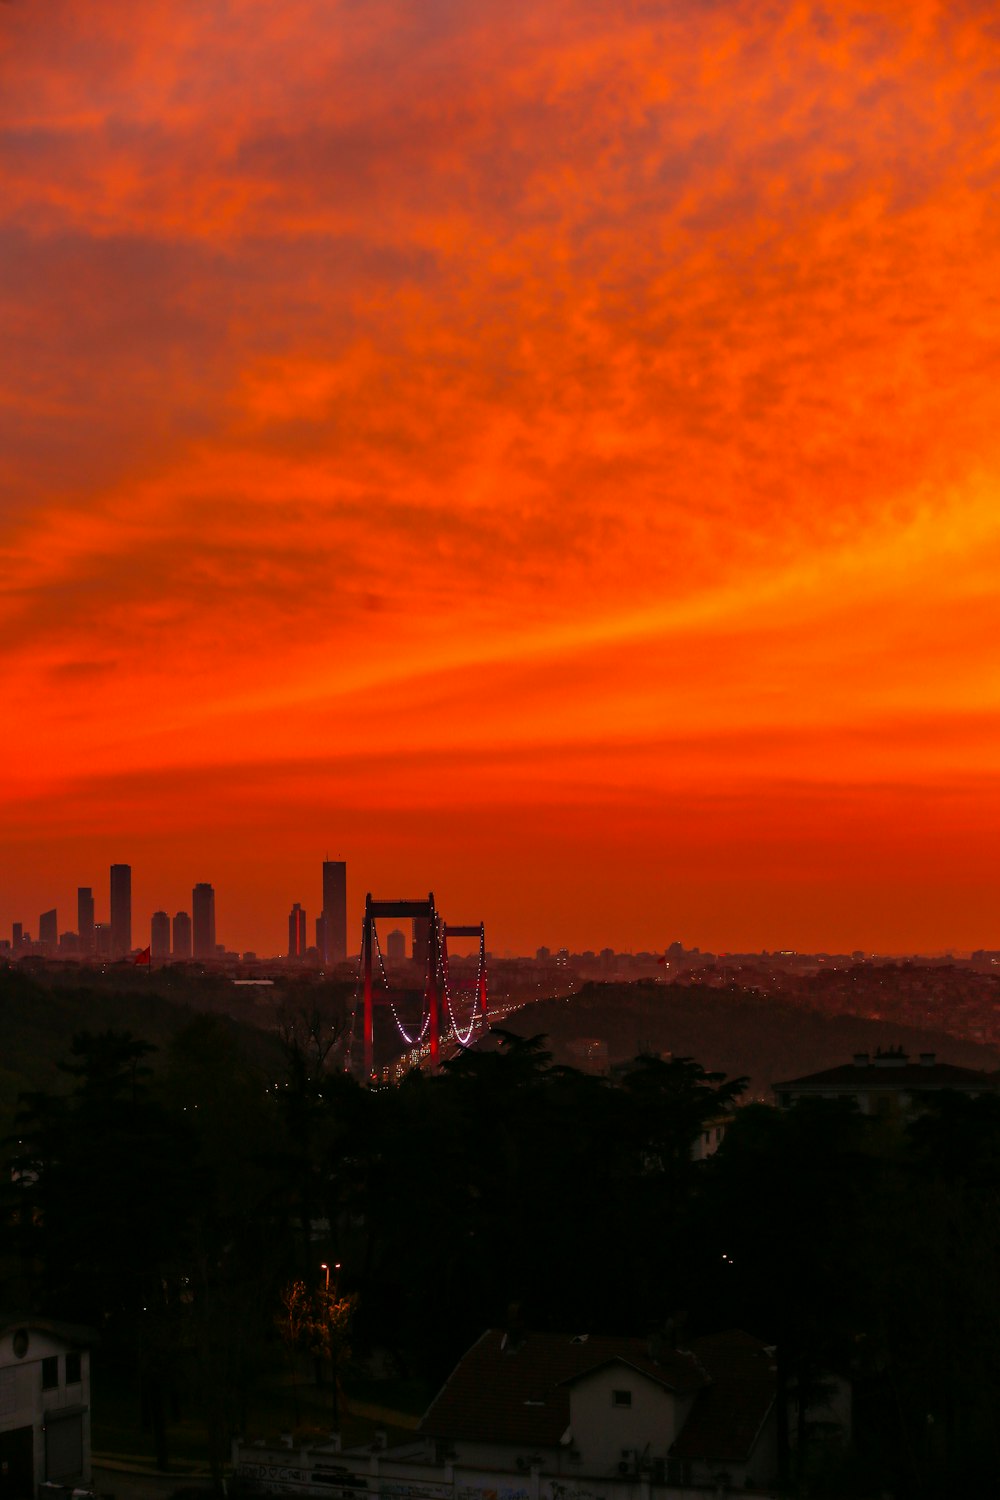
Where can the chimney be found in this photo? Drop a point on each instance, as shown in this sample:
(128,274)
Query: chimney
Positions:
(516,1331)
(892,1057)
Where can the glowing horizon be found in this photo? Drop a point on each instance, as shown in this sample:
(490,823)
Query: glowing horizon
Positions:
(547,457)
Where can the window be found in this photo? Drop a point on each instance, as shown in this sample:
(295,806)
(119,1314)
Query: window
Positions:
(72,1369)
(621,1398)
(50,1373)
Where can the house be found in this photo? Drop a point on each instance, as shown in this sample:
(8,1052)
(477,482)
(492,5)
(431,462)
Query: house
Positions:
(609,1408)
(887,1083)
(533,1416)
(44,1406)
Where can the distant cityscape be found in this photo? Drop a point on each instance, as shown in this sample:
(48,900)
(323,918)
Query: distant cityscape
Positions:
(190,936)
(183,938)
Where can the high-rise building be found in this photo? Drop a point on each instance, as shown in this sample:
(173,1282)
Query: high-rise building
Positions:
(48,930)
(321,935)
(203,920)
(395,946)
(102,939)
(121,910)
(17,936)
(297,932)
(335,911)
(159,935)
(85,918)
(182,935)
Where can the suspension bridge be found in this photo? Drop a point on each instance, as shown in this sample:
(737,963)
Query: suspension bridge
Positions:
(444,1012)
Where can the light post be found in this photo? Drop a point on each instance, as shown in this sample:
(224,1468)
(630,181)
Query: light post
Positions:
(326,1268)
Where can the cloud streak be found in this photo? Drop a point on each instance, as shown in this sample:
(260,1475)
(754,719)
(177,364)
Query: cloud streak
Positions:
(420,378)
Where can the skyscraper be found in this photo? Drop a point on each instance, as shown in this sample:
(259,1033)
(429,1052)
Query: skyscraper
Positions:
(17,934)
(335,911)
(297,932)
(395,946)
(182,935)
(48,930)
(203,920)
(121,910)
(159,933)
(85,918)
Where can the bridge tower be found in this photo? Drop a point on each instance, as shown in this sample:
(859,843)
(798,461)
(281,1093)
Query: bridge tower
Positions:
(432,998)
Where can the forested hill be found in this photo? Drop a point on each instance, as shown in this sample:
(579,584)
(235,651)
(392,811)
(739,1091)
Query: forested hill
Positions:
(38,1022)
(766,1037)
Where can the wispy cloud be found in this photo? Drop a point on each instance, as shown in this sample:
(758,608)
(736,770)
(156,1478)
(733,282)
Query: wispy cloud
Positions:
(562,376)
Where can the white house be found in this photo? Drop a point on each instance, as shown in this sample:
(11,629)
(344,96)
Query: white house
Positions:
(44,1406)
(611,1408)
(555,1417)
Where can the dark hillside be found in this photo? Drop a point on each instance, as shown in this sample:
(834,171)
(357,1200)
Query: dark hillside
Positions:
(767,1037)
(38,1022)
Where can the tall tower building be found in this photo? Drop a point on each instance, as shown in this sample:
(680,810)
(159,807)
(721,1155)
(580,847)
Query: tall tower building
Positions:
(335,911)
(121,910)
(85,918)
(17,935)
(48,930)
(395,946)
(182,935)
(159,935)
(203,920)
(297,932)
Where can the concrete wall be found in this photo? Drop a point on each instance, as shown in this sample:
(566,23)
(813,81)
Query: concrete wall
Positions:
(363,1474)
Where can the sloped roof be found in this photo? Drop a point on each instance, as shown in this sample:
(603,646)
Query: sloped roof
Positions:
(70,1333)
(507,1391)
(908,1077)
(728,1414)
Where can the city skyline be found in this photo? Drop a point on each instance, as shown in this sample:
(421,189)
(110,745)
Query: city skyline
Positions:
(173,936)
(549,452)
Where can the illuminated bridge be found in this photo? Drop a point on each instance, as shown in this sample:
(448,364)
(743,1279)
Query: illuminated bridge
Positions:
(443,1010)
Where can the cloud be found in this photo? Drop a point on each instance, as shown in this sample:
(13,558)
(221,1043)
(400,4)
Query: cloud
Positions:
(638,363)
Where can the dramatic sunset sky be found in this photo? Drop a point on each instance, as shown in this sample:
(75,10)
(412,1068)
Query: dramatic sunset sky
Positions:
(546,451)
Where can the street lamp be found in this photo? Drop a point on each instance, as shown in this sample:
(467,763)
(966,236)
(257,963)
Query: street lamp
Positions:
(326,1268)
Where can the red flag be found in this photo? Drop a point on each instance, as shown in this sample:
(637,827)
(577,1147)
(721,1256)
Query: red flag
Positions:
(143,958)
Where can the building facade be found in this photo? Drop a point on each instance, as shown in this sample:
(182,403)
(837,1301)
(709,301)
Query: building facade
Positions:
(887,1083)
(44,1407)
(297,932)
(121,910)
(48,930)
(159,935)
(182,936)
(203,920)
(85,918)
(334,911)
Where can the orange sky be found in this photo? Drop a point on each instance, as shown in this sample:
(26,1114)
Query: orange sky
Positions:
(549,454)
